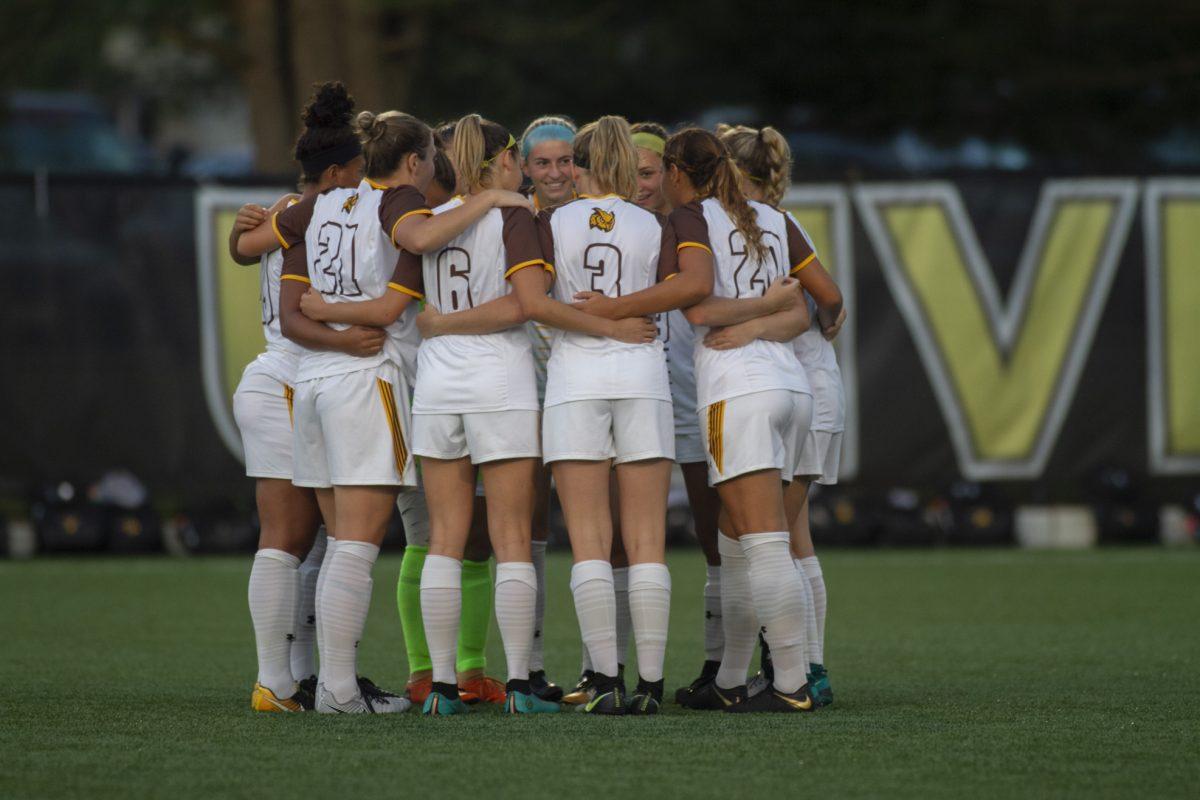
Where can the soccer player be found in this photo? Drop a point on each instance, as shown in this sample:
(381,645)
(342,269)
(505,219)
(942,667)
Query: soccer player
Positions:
(765,161)
(679,341)
(351,428)
(608,402)
(282,589)
(755,404)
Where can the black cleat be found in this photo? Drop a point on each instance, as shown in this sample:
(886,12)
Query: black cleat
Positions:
(711,697)
(608,696)
(306,695)
(708,674)
(774,701)
(647,699)
(550,692)
(373,692)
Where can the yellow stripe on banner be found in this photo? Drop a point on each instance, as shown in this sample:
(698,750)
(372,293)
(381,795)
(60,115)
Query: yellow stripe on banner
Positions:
(289,395)
(716,431)
(403,217)
(697,245)
(278,235)
(803,263)
(399,449)
(1181,324)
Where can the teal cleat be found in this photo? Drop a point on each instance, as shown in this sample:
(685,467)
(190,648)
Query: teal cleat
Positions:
(527,703)
(443,701)
(818,683)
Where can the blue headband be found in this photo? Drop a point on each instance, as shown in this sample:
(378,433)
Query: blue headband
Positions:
(550,132)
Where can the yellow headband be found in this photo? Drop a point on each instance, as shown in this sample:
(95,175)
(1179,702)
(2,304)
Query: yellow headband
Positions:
(487,162)
(650,142)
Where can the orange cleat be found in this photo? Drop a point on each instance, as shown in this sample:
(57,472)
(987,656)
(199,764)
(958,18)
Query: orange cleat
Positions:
(481,689)
(418,690)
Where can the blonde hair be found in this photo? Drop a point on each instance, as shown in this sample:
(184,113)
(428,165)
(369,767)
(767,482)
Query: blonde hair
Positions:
(605,149)
(388,138)
(477,146)
(763,156)
(706,161)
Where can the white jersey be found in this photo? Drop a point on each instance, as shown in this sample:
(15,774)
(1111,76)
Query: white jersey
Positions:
(282,356)
(679,342)
(819,359)
(607,245)
(351,259)
(491,372)
(761,365)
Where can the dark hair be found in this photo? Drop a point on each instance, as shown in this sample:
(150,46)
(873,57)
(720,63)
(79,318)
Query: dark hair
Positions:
(650,127)
(443,171)
(708,164)
(444,131)
(328,136)
(389,137)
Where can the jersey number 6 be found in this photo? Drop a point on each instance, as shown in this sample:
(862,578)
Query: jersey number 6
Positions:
(454,266)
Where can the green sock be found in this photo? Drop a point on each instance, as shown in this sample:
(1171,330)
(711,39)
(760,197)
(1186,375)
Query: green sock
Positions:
(408,598)
(476,615)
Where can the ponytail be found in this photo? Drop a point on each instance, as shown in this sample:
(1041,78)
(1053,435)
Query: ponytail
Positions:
(763,156)
(708,164)
(477,146)
(388,138)
(605,148)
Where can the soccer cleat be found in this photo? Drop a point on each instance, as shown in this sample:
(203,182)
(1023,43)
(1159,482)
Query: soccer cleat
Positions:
(550,692)
(711,697)
(757,685)
(443,701)
(818,685)
(708,673)
(369,689)
(582,691)
(608,696)
(481,689)
(647,699)
(520,699)
(418,690)
(307,693)
(374,701)
(263,699)
(775,701)
(765,665)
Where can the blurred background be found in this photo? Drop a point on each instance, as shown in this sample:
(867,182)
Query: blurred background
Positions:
(935,144)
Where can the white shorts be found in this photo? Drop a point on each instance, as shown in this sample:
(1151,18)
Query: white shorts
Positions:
(635,429)
(353,430)
(689,447)
(754,432)
(820,457)
(262,407)
(484,435)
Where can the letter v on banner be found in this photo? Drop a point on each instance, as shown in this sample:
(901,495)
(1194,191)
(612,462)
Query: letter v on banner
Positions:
(1004,375)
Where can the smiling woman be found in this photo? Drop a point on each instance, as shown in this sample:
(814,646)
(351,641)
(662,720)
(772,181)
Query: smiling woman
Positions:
(546,160)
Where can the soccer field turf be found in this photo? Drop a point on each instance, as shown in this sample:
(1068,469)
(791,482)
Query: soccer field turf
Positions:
(957,674)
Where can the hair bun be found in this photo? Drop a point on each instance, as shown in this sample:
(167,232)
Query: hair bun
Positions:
(330,107)
(370,124)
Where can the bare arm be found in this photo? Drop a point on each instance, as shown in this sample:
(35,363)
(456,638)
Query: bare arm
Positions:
(689,286)
(375,313)
(422,232)
(782,326)
(530,288)
(265,237)
(715,311)
(356,341)
(491,317)
(817,282)
(249,216)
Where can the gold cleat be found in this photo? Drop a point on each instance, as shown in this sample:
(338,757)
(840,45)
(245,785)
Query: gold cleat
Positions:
(263,699)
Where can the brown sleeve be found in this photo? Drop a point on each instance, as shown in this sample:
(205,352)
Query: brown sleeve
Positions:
(295,263)
(800,254)
(521,246)
(546,237)
(399,203)
(408,277)
(668,253)
(690,228)
(291,223)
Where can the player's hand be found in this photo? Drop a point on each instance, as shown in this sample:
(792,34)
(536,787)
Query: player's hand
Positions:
(364,342)
(730,337)
(501,198)
(427,321)
(249,217)
(596,304)
(833,330)
(783,293)
(313,306)
(635,330)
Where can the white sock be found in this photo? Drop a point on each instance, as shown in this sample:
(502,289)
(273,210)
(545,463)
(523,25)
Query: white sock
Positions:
(810,617)
(624,620)
(516,601)
(650,611)
(345,600)
(596,608)
(536,655)
(330,546)
(303,655)
(816,580)
(441,606)
(714,633)
(585,658)
(779,603)
(737,615)
(272,596)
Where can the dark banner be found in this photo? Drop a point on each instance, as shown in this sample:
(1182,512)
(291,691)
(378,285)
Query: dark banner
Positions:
(1027,332)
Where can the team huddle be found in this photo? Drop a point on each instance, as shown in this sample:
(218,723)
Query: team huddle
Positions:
(440,340)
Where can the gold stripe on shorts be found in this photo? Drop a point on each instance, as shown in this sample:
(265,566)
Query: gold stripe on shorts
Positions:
(289,395)
(716,431)
(399,449)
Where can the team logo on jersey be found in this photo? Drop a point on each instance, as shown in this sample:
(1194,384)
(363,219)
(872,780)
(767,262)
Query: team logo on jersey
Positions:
(602,220)
(349,204)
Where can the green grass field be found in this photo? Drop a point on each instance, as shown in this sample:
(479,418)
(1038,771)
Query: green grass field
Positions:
(957,674)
